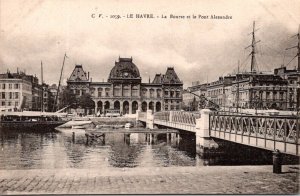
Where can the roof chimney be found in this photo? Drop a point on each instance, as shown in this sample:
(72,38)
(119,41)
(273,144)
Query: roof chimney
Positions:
(88,75)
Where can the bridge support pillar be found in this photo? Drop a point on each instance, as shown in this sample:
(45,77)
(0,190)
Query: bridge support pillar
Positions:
(277,162)
(203,140)
(150,119)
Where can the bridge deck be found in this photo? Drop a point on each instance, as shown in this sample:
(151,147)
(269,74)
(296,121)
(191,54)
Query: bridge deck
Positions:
(267,132)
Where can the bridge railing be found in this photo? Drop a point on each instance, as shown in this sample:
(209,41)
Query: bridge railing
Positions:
(276,128)
(177,117)
(163,116)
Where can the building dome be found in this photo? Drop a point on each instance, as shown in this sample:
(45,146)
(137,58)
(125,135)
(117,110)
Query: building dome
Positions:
(124,69)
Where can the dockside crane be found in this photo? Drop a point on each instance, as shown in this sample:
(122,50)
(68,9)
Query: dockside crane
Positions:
(55,106)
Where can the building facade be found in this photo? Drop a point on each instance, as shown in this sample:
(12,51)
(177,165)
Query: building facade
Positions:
(278,90)
(259,91)
(20,91)
(15,93)
(293,86)
(192,94)
(125,92)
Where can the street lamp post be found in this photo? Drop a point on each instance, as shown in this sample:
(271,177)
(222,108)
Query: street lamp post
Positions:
(256,103)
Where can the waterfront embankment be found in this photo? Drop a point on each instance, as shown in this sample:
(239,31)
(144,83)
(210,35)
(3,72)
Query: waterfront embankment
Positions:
(173,180)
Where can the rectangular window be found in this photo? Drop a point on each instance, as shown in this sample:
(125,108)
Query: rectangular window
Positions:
(10,95)
(16,86)
(151,93)
(3,95)
(17,104)
(16,95)
(9,103)
(3,86)
(268,95)
(3,103)
(281,95)
(158,93)
(10,86)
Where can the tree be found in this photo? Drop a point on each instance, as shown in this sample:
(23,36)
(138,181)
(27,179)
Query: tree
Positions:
(68,98)
(202,102)
(194,105)
(86,102)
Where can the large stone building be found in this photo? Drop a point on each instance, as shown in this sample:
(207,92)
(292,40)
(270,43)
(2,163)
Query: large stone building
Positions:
(260,91)
(125,92)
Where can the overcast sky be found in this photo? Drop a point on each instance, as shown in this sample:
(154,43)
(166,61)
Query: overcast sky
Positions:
(35,31)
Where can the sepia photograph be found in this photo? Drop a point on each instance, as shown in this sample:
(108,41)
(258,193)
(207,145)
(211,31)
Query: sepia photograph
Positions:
(149,97)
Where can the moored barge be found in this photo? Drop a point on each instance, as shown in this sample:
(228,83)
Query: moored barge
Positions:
(29,120)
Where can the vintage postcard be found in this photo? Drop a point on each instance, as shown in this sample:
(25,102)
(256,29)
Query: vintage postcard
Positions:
(149,97)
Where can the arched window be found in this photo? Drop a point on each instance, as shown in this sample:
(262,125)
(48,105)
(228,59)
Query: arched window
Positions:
(166,93)
(107,92)
(177,93)
(100,92)
(172,93)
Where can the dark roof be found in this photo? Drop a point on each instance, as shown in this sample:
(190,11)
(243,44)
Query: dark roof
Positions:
(158,79)
(78,74)
(124,69)
(171,77)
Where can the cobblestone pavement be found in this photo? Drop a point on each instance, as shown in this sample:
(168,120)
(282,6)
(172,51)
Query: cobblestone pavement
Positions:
(198,180)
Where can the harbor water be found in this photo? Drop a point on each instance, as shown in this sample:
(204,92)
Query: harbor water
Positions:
(60,149)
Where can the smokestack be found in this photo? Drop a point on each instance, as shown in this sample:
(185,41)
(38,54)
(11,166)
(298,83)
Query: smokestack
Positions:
(88,75)
(91,79)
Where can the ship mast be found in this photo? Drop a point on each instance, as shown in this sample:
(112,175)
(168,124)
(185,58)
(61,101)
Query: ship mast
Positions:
(253,51)
(298,69)
(237,88)
(42,81)
(57,94)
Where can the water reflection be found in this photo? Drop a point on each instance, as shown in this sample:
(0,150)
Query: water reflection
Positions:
(23,149)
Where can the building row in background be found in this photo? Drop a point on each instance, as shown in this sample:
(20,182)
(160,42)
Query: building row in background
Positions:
(19,91)
(254,90)
(123,93)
